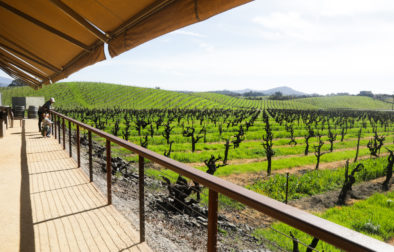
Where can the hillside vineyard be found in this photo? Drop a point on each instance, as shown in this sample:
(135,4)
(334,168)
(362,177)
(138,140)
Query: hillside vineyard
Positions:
(100,95)
(303,152)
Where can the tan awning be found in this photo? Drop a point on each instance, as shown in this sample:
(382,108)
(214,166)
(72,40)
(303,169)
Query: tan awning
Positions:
(44,41)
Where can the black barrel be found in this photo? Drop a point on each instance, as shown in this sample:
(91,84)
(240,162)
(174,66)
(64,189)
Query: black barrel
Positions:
(19,111)
(32,112)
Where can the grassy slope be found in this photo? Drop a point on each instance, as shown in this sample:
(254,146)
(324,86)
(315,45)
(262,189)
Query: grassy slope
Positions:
(101,95)
(372,217)
(352,102)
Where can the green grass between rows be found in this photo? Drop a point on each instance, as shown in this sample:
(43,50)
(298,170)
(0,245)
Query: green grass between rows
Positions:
(372,217)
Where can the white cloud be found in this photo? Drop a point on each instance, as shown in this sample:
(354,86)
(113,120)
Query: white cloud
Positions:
(354,7)
(207,47)
(189,33)
(330,7)
(278,26)
(283,21)
(315,46)
(320,29)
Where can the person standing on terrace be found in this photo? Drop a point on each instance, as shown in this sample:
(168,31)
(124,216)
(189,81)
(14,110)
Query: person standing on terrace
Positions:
(43,110)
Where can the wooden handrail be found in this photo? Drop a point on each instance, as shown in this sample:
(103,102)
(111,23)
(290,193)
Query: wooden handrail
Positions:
(325,230)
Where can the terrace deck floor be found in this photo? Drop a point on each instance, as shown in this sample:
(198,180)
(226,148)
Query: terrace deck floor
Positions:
(48,203)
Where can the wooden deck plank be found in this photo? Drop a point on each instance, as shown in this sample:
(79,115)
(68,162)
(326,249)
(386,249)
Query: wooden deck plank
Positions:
(67,212)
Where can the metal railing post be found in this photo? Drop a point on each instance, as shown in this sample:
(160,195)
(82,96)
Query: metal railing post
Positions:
(212,221)
(54,123)
(69,139)
(109,171)
(58,127)
(90,156)
(78,147)
(141,181)
(64,134)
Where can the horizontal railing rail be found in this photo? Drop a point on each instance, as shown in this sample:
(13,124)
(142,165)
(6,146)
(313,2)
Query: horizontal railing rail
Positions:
(325,230)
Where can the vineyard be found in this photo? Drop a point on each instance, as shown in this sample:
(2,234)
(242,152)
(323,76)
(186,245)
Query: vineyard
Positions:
(306,152)
(261,150)
(100,95)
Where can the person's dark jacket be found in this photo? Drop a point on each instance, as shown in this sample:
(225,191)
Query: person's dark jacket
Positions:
(45,108)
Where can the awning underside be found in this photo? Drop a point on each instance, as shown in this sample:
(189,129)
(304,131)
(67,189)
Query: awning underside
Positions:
(44,41)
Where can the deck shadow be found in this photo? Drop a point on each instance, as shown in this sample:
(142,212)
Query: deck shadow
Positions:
(26,242)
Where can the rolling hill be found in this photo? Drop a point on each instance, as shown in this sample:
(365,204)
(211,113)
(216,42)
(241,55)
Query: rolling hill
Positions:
(103,95)
(283,89)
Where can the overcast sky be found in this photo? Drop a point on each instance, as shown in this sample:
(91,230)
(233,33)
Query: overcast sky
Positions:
(312,46)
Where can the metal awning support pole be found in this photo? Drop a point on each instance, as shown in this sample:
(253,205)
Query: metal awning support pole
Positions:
(23,65)
(20,74)
(44,26)
(26,54)
(81,21)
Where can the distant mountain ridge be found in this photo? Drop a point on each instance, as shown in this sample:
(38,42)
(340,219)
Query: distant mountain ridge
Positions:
(283,89)
(4,82)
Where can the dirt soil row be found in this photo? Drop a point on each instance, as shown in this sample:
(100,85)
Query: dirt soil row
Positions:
(254,160)
(317,203)
(244,179)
